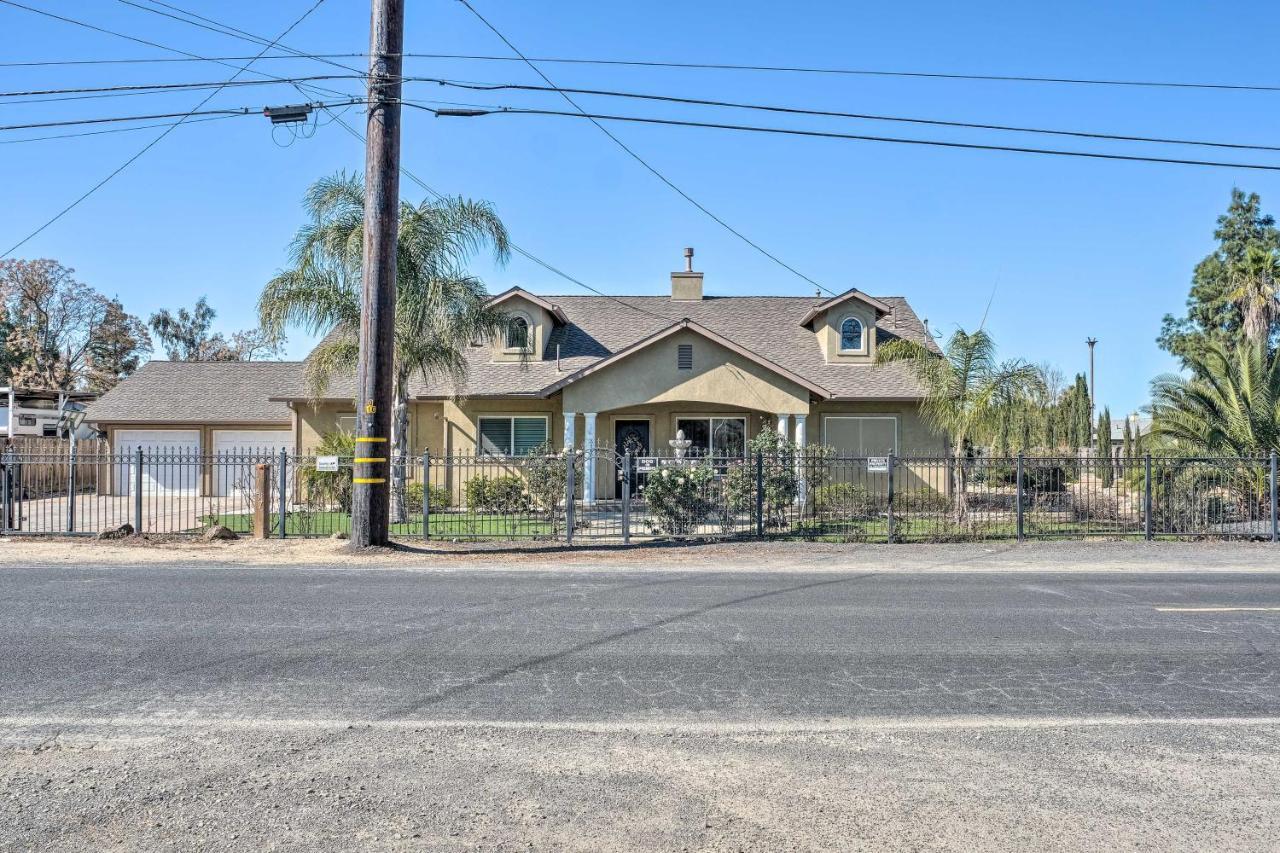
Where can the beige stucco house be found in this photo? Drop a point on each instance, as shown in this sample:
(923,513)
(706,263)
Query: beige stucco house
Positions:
(623,372)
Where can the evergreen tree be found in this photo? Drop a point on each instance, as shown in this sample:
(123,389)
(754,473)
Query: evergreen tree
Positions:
(1127,449)
(1105,458)
(1228,284)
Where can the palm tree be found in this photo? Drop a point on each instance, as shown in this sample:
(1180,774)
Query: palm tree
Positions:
(1255,282)
(966,393)
(1231,406)
(440,307)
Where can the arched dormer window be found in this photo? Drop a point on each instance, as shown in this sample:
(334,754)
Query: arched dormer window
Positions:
(518,334)
(851,335)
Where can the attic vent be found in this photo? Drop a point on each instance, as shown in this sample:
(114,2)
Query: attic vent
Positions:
(684,357)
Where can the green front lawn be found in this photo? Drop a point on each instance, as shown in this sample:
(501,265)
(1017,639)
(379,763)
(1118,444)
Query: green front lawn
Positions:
(444,525)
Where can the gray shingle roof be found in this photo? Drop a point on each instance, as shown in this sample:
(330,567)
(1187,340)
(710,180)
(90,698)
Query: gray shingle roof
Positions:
(598,326)
(198,392)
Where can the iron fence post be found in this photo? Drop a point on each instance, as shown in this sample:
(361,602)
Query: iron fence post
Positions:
(1275,531)
(759,493)
(137,491)
(626,498)
(426,495)
(1146,498)
(71,488)
(570,487)
(1018,498)
(283,485)
(5,474)
(889,527)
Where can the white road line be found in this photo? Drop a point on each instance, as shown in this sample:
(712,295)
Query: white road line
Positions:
(1210,609)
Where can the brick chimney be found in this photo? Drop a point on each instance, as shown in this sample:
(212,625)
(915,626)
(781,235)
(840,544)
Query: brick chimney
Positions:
(686,286)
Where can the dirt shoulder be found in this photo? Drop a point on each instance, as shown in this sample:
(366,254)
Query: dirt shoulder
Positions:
(783,556)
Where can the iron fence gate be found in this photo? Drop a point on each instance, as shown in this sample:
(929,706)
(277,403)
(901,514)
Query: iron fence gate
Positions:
(603,495)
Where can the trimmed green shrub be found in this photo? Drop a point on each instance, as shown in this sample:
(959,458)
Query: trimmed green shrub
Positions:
(503,494)
(440,498)
(843,500)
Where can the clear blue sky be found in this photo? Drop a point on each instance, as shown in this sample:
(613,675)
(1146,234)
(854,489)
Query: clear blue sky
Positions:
(1072,248)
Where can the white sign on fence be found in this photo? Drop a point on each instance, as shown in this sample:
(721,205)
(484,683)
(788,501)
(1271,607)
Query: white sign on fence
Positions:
(646,464)
(326,463)
(877,464)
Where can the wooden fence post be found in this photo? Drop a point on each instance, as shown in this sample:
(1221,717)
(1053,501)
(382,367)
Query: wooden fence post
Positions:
(261,500)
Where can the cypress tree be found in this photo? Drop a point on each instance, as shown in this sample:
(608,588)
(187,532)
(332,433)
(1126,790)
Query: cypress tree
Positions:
(1128,440)
(1104,449)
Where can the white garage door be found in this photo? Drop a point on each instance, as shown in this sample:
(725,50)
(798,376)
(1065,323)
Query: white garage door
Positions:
(239,449)
(170,460)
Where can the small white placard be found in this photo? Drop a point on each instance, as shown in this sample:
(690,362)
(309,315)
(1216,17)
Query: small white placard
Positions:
(877,464)
(646,464)
(326,463)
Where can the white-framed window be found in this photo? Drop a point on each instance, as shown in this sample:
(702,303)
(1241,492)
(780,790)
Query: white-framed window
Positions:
(861,435)
(852,337)
(517,435)
(720,437)
(519,335)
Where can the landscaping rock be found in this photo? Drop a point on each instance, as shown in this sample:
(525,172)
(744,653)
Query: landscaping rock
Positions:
(218,533)
(123,531)
(341,534)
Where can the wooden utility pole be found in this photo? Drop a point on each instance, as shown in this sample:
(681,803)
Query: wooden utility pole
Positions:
(369,509)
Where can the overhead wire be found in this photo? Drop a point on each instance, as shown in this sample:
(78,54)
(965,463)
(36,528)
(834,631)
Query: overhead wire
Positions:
(675,99)
(643,162)
(93,189)
(850,136)
(230,111)
(337,118)
(712,66)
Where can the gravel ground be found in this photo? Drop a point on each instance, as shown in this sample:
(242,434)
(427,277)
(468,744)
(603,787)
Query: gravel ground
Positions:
(1094,555)
(1055,785)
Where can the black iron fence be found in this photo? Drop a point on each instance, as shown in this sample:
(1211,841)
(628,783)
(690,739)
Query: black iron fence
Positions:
(602,495)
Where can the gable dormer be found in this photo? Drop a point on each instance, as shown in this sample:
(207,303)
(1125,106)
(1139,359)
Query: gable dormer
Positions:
(845,327)
(532,320)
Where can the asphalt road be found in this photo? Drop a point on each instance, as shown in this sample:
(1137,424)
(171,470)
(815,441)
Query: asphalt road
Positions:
(373,645)
(166,708)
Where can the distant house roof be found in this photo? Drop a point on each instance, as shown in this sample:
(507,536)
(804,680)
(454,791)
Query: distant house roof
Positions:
(598,327)
(199,392)
(1141,425)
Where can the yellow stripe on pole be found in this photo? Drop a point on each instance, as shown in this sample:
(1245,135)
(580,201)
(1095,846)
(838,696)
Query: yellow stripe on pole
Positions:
(367,439)
(369,480)
(371,459)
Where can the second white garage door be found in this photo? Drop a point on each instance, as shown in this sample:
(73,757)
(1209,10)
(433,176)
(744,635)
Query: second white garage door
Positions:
(239,447)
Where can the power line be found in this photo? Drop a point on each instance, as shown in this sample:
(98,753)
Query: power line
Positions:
(862,72)
(744,238)
(855,136)
(150,144)
(873,72)
(489,87)
(162,87)
(107,130)
(411,176)
(193,57)
(233,111)
(194,19)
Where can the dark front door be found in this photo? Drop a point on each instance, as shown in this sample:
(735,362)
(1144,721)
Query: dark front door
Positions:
(630,437)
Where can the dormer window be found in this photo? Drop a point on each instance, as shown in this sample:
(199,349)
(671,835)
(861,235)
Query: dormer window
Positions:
(519,338)
(851,335)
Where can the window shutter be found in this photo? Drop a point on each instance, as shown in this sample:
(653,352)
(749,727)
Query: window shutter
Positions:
(529,433)
(495,435)
(684,357)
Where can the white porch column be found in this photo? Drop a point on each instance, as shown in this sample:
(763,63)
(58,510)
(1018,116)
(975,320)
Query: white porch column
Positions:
(800,460)
(570,420)
(783,423)
(589,461)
